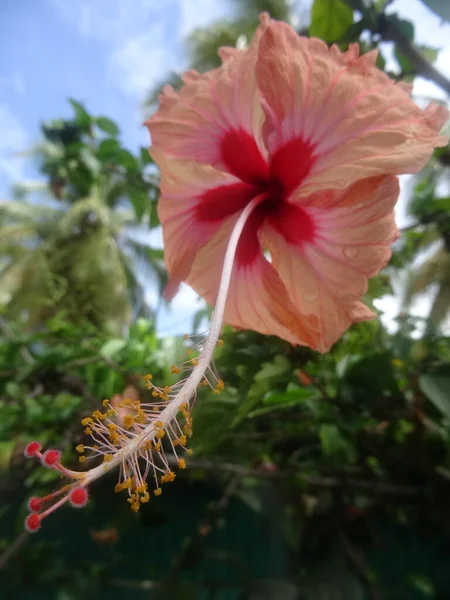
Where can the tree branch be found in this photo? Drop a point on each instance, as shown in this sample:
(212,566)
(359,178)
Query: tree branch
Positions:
(13,547)
(314,482)
(380,24)
(390,33)
(360,566)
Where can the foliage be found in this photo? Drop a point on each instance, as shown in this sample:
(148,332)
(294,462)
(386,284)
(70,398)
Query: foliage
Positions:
(78,248)
(314,477)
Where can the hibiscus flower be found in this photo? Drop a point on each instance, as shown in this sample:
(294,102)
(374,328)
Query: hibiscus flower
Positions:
(318,137)
(278,181)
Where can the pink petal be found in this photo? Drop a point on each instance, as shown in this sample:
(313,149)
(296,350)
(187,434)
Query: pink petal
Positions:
(326,274)
(356,121)
(257,298)
(194,201)
(216,118)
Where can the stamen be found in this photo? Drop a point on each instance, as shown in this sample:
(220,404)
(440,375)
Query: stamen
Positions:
(134,431)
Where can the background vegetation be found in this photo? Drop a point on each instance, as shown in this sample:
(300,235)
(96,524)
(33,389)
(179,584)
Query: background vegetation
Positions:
(313,477)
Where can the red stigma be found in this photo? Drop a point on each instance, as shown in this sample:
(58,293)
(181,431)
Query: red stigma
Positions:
(33,522)
(31,449)
(50,458)
(34,504)
(78,497)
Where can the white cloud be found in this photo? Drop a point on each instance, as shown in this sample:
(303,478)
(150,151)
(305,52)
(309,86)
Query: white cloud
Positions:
(136,37)
(13,139)
(143,38)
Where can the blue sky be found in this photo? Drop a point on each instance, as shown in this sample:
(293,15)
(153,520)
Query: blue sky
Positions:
(108,54)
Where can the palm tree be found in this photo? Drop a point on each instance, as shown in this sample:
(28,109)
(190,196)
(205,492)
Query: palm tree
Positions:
(427,242)
(81,246)
(203,43)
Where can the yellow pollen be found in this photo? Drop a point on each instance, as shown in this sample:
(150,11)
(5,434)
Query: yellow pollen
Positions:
(181,463)
(145,497)
(98,415)
(107,458)
(105,402)
(128,421)
(189,452)
(220,343)
(160,434)
(175,370)
(86,421)
(158,424)
(81,459)
(157,446)
(194,362)
(148,377)
(168,477)
(80,448)
(127,402)
(157,492)
(88,431)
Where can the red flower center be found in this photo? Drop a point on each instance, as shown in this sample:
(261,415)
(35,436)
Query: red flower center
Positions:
(275,179)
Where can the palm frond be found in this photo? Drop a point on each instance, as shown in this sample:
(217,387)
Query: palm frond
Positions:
(433,271)
(441,303)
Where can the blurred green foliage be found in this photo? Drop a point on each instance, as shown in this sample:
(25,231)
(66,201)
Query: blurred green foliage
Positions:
(314,477)
(82,247)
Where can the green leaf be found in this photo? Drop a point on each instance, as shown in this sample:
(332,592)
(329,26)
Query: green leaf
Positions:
(82,117)
(140,201)
(146,159)
(330,19)
(429,53)
(423,585)
(371,377)
(112,347)
(437,388)
(269,370)
(6,450)
(127,160)
(405,65)
(299,396)
(333,443)
(440,7)
(407,29)
(108,149)
(404,26)
(107,125)
(268,376)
